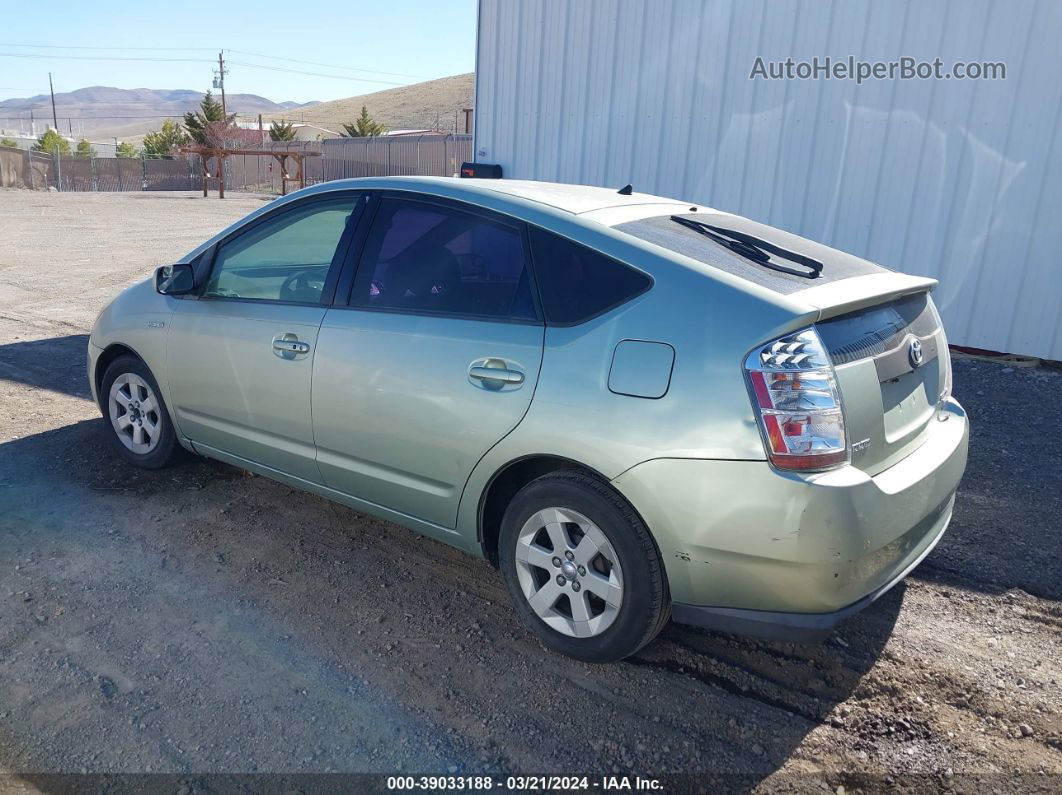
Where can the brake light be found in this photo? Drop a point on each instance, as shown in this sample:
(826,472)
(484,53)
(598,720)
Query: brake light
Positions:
(795,394)
(945,354)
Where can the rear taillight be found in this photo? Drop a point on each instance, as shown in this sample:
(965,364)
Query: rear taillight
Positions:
(794,392)
(945,354)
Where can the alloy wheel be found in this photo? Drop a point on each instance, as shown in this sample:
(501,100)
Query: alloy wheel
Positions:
(134,413)
(569,572)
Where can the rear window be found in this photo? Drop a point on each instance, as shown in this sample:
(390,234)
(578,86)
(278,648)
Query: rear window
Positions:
(872,331)
(663,231)
(578,283)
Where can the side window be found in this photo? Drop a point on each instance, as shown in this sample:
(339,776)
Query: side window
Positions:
(576,283)
(432,258)
(283,259)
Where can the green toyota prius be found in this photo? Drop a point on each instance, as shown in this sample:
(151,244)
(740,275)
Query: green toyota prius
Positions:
(638,409)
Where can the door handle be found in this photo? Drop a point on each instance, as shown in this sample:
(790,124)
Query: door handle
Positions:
(503,375)
(289,345)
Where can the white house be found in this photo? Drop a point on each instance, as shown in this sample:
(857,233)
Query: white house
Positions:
(311,132)
(303,131)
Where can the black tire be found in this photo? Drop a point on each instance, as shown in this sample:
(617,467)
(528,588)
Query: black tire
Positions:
(646,604)
(167,451)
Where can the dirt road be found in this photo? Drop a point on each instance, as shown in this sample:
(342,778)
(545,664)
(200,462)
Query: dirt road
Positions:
(200,620)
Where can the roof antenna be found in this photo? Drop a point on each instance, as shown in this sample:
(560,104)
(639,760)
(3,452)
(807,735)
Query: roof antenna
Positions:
(626,190)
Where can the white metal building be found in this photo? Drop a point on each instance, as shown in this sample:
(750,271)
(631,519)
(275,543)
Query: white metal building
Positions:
(958,179)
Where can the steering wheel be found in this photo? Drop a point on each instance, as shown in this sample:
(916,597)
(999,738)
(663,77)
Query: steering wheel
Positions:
(223,292)
(305,286)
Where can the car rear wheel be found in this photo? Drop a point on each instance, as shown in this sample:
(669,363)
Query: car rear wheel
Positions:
(581,568)
(138,422)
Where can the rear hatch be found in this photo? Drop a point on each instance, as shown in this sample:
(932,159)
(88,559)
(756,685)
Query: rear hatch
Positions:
(880,327)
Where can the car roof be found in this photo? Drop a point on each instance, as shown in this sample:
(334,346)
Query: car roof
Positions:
(575,199)
(547,203)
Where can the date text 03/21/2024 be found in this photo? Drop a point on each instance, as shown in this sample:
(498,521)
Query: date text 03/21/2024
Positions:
(536,783)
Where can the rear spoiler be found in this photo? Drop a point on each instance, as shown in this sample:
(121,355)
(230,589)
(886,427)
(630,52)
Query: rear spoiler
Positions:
(859,292)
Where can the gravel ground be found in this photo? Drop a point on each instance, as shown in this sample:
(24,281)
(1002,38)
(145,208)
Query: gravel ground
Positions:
(201,621)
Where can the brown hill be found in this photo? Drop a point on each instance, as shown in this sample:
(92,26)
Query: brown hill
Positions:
(434,104)
(102,112)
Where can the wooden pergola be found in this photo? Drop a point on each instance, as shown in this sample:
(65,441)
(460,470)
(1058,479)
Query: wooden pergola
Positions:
(218,155)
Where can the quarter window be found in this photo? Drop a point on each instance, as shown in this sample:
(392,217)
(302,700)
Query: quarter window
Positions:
(577,283)
(282,259)
(432,258)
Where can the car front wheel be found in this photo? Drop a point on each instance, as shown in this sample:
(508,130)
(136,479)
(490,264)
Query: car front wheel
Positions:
(581,568)
(136,415)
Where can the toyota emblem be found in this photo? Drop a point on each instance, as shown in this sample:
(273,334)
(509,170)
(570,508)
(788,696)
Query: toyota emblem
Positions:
(914,352)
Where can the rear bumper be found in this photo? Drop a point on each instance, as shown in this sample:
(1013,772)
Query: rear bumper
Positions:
(748,548)
(796,627)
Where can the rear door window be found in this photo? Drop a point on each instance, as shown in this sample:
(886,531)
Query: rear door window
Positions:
(437,259)
(577,283)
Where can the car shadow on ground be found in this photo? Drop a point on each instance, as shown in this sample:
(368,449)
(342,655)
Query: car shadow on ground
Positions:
(55,363)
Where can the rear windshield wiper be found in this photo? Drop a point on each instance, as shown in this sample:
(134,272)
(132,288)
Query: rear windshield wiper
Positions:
(749,247)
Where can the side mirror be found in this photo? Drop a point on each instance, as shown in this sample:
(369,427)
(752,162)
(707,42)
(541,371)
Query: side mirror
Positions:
(174,279)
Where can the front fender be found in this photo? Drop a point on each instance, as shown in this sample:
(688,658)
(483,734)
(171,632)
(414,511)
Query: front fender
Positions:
(138,319)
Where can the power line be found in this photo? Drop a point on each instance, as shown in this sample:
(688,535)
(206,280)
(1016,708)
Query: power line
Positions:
(132,102)
(207,49)
(200,60)
(92,118)
(329,65)
(85,47)
(316,74)
(100,57)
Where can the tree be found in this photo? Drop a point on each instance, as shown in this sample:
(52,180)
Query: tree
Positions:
(125,149)
(364,126)
(225,135)
(281,131)
(84,149)
(8,142)
(52,142)
(164,142)
(209,111)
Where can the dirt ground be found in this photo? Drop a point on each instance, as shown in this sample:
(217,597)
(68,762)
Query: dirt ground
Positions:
(199,620)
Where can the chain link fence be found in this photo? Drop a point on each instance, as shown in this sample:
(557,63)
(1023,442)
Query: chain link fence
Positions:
(124,174)
(24,168)
(21,168)
(341,158)
(345,158)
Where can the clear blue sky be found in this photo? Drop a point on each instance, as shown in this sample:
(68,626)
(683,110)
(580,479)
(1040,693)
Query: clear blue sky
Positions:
(413,39)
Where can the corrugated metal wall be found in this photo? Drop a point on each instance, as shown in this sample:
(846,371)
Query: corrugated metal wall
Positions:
(956,179)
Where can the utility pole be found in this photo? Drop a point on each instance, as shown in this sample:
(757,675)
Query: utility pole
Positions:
(55,121)
(221,82)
